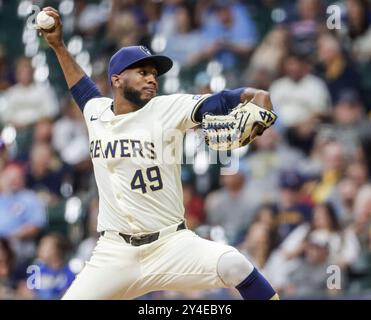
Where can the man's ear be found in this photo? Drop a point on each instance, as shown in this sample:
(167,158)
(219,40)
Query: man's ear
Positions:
(115,79)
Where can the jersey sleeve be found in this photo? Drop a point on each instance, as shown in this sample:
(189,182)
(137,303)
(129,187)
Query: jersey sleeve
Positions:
(178,110)
(83,91)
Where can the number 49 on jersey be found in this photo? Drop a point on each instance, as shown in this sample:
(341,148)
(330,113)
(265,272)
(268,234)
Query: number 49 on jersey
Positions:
(152,174)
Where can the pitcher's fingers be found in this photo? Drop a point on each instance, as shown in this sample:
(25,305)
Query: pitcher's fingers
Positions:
(262,99)
(55,15)
(260,129)
(254,133)
(50,9)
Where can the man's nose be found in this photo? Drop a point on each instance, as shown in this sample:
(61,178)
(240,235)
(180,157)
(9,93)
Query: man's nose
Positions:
(152,79)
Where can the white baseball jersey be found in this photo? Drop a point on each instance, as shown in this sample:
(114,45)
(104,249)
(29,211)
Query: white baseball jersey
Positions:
(136,158)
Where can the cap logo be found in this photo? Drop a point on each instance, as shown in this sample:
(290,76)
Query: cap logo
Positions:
(145,50)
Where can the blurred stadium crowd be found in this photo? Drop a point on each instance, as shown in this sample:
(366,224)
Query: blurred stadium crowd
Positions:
(301,200)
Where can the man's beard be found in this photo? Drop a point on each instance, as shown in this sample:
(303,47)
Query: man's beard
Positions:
(133,96)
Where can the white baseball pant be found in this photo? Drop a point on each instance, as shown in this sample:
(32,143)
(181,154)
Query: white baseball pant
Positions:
(179,261)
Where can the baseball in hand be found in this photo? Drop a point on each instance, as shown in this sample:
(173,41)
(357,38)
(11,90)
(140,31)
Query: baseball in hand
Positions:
(44,21)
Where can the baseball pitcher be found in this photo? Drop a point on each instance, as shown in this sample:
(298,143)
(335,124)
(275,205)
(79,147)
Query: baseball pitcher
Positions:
(145,244)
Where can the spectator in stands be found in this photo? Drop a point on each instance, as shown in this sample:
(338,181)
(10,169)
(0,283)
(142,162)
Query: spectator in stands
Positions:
(55,274)
(271,52)
(293,209)
(229,35)
(24,104)
(43,131)
(266,61)
(261,237)
(70,137)
(358,172)
(167,22)
(89,18)
(271,156)
(333,162)
(305,26)
(299,96)
(125,27)
(309,279)
(152,11)
(27,101)
(345,192)
(232,206)
(350,121)
(335,68)
(343,246)
(303,136)
(343,198)
(47,174)
(355,33)
(185,32)
(22,214)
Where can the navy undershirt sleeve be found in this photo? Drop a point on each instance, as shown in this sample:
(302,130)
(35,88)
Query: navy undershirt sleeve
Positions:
(219,103)
(84,90)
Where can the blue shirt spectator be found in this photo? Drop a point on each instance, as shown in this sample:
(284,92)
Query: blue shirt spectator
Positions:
(54,282)
(228,33)
(292,209)
(185,31)
(22,213)
(55,276)
(20,209)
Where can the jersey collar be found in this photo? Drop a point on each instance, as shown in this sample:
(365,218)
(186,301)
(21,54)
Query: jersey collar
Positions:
(107,114)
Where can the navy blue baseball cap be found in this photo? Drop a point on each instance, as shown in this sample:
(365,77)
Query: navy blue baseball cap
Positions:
(291,179)
(127,56)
